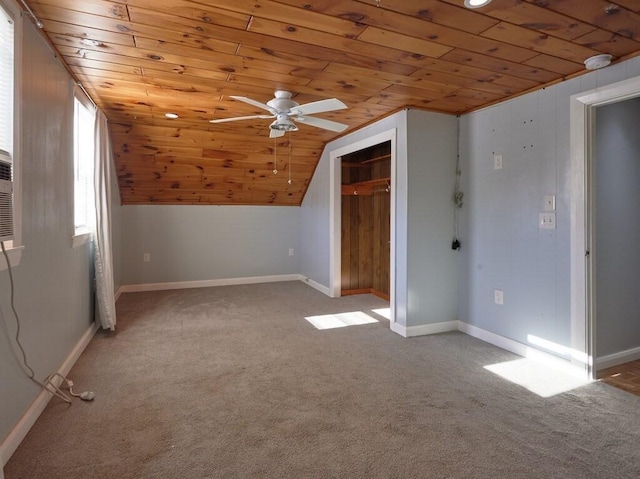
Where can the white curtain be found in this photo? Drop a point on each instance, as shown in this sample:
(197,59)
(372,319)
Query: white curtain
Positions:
(103,259)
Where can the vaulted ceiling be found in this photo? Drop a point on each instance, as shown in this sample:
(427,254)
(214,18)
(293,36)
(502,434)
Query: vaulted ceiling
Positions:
(140,59)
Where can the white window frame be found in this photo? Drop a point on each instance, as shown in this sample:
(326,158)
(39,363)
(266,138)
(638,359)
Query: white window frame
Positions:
(15,247)
(82,234)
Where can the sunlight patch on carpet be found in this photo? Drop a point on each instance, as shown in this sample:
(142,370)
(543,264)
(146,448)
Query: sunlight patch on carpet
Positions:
(541,379)
(340,320)
(384,312)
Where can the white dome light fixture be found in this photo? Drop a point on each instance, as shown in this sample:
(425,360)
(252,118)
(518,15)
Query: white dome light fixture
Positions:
(598,61)
(476,3)
(171,116)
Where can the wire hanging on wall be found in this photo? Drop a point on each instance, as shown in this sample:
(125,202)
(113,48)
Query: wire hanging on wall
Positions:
(457,200)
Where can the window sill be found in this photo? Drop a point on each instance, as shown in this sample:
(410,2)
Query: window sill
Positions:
(80,239)
(14,253)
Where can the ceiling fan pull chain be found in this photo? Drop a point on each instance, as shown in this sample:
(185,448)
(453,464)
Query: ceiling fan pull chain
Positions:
(275,156)
(289,159)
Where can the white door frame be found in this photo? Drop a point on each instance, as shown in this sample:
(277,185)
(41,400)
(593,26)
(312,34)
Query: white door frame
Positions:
(583,318)
(335,212)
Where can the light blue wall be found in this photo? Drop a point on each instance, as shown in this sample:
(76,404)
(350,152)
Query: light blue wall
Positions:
(617,197)
(502,246)
(426,145)
(194,243)
(52,282)
(431,266)
(315,215)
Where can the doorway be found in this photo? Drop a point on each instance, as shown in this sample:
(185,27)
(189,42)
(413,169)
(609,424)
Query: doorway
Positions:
(366,221)
(335,212)
(584,296)
(616,228)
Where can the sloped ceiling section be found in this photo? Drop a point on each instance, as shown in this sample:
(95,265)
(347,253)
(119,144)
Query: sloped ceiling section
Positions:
(139,59)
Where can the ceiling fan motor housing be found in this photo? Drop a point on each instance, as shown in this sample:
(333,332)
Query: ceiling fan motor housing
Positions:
(282,102)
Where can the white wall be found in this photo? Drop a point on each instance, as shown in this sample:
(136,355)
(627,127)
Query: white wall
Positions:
(52,283)
(502,246)
(617,198)
(197,243)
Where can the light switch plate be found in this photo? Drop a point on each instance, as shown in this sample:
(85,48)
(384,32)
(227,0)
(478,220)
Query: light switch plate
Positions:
(547,221)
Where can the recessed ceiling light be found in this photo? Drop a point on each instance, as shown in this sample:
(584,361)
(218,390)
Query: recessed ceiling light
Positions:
(476,3)
(598,61)
(173,116)
(92,43)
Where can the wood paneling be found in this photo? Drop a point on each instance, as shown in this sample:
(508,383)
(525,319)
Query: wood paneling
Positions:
(366,222)
(381,233)
(139,59)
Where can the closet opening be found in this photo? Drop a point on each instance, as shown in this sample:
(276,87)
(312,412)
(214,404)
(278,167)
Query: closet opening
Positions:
(366,221)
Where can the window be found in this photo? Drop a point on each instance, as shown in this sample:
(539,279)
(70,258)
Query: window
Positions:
(84,118)
(6,81)
(10,201)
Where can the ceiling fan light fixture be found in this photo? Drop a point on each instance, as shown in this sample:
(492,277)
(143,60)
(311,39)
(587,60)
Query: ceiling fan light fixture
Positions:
(598,61)
(476,3)
(283,123)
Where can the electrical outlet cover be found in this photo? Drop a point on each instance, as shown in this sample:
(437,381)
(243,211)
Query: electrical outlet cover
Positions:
(550,202)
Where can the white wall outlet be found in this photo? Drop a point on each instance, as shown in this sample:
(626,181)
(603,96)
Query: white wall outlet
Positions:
(547,221)
(146,257)
(497,162)
(550,202)
(290,251)
(498,296)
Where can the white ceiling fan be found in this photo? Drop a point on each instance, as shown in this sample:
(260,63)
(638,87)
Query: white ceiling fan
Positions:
(285,111)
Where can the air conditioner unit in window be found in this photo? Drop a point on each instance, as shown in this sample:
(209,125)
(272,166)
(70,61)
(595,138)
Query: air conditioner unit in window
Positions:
(6,197)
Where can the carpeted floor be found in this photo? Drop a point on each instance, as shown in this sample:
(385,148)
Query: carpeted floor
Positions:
(233,382)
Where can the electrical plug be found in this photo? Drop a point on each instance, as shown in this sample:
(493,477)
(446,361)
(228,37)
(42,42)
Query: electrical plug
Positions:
(87,396)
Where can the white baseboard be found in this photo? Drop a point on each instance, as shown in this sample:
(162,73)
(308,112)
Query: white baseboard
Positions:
(315,285)
(522,349)
(614,359)
(117,297)
(424,329)
(136,288)
(26,422)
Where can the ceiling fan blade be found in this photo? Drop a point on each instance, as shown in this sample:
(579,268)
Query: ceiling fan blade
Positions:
(321,106)
(275,133)
(322,123)
(253,102)
(236,118)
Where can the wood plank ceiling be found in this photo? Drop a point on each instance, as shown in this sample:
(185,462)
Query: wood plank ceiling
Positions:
(139,59)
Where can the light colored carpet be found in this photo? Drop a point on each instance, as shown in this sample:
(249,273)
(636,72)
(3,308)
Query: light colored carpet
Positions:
(233,382)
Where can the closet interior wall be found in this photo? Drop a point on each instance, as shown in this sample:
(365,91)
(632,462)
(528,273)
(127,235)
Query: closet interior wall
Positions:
(366,215)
